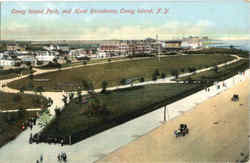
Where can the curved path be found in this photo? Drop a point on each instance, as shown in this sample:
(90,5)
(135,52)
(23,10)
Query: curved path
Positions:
(97,146)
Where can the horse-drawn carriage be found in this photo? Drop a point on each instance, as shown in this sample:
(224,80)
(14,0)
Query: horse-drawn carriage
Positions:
(182,131)
(235,98)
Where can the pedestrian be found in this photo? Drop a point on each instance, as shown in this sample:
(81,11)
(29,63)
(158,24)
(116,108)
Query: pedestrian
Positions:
(59,157)
(31,126)
(37,161)
(62,142)
(41,158)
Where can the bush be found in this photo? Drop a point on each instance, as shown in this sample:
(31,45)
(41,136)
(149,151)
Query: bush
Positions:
(175,73)
(156,72)
(123,81)
(163,75)
(154,77)
(104,86)
(142,79)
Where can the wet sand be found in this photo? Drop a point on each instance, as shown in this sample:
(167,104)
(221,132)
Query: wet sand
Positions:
(218,131)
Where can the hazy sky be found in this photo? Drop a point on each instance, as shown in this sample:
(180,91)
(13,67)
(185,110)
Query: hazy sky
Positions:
(223,19)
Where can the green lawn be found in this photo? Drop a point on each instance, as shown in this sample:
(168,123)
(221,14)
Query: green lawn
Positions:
(10,101)
(10,125)
(115,72)
(122,105)
(12,73)
(222,73)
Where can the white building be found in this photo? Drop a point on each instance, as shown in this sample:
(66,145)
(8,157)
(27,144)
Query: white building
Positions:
(101,54)
(7,62)
(45,56)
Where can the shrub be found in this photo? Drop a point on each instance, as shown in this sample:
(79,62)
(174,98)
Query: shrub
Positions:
(104,86)
(142,79)
(163,75)
(123,81)
(154,77)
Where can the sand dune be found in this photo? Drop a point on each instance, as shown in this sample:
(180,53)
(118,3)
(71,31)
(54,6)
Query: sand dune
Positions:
(218,132)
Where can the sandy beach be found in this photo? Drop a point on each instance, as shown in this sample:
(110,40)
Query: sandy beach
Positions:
(218,131)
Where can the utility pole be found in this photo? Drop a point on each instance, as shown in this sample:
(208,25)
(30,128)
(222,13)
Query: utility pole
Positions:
(159,47)
(166,111)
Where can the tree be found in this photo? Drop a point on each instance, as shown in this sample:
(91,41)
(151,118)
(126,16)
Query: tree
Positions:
(123,81)
(163,75)
(71,96)
(79,96)
(175,73)
(182,70)
(88,86)
(65,100)
(142,79)
(22,89)
(104,86)
(191,69)
(156,72)
(40,89)
(154,77)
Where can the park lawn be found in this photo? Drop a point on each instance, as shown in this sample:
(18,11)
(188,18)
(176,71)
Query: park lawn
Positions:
(113,73)
(11,101)
(10,125)
(122,105)
(223,73)
(12,73)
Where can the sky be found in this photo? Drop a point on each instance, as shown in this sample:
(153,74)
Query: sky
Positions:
(221,19)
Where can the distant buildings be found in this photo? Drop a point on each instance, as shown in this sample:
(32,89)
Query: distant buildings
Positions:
(193,42)
(46,56)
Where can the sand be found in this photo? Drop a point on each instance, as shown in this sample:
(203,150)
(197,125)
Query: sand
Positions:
(218,132)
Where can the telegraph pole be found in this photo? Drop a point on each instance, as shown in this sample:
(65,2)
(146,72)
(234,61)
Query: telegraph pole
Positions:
(166,111)
(159,48)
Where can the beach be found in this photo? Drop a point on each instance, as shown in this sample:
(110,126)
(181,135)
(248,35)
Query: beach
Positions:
(218,131)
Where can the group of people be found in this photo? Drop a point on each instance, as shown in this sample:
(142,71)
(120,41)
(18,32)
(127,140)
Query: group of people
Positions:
(29,123)
(62,157)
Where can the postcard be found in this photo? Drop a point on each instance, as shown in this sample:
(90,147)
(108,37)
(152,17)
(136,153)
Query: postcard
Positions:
(129,81)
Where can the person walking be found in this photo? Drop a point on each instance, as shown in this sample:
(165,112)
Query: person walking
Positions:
(41,158)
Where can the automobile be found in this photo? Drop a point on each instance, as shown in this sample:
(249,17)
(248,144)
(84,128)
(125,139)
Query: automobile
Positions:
(182,131)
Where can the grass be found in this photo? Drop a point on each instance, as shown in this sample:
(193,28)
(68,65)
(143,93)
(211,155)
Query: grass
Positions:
(78,63)
(114,72)
(10,125)
(10,101)
(222,74)
(12,73)
(123,105)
